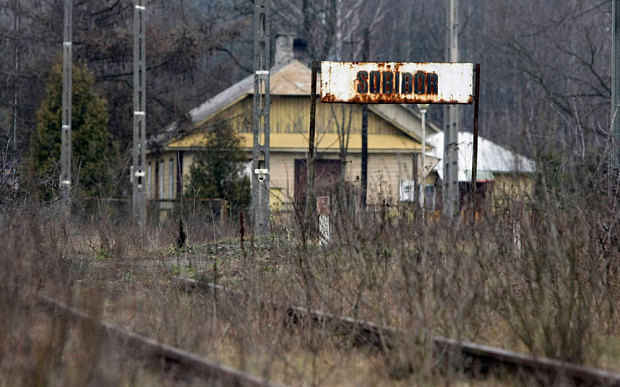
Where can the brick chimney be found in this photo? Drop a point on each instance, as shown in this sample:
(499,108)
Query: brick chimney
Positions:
(284,52)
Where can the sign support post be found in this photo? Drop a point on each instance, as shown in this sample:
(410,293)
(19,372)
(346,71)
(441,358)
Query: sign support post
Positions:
(474,159)
(365,132)
(311,139)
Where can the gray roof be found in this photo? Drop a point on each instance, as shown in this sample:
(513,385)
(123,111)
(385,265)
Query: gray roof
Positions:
(491,157)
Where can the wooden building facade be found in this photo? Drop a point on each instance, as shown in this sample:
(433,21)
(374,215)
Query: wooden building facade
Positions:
(394,140)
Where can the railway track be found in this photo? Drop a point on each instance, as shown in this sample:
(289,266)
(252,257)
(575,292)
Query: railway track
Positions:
(158,352)
(474,358)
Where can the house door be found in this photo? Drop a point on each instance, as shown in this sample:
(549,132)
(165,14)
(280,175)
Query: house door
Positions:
(326,176)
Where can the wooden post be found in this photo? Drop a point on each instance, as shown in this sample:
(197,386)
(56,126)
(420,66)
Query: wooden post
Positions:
(311,139)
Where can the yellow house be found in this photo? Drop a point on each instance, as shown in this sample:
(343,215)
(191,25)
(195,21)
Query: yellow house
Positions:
(394,140)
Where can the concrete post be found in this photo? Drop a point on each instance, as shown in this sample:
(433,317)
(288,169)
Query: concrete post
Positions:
(139,113)
(451,131)
(260,124)
(67,85)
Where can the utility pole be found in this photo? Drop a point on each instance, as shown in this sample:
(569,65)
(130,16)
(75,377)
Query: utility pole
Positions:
(451,129)
(67,84)
(366,54)
(615,80)
(260,122)
(139,112)
(16,68)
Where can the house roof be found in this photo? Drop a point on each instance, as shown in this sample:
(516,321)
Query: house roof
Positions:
(294,79)
(491,157)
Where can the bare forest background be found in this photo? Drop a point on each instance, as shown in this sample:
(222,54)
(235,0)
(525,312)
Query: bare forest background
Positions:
(545,89)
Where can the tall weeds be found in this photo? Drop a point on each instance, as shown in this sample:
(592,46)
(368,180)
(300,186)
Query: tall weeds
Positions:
(538,274)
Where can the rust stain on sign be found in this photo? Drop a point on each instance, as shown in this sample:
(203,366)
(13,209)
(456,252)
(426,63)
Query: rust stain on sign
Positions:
(397,82)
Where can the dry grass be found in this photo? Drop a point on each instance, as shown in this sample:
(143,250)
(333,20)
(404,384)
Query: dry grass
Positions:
(542,279)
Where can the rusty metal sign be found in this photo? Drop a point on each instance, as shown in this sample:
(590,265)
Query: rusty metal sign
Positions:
(397,82)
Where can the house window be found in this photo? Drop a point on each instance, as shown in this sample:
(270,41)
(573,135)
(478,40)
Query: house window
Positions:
(407,191)
(148,181)
(171,179)
(161,180)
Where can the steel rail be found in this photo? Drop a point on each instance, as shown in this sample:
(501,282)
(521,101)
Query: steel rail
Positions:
(477,358)
(151,348)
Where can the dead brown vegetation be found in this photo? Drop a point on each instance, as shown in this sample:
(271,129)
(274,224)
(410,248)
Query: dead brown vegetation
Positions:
(537,276)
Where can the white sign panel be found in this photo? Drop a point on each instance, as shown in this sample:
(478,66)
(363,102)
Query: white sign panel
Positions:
(397,82)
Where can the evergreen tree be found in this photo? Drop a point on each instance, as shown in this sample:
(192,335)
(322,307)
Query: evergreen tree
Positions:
(94,151)
(217,171)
